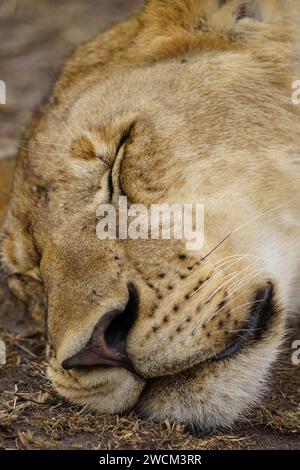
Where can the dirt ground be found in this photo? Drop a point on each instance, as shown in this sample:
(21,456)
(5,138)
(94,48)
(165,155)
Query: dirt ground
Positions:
(35,38)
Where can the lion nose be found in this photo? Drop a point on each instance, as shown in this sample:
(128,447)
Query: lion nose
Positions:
(107,346)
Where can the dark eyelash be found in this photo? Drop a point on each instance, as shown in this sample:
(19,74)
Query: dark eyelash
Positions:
(110,183)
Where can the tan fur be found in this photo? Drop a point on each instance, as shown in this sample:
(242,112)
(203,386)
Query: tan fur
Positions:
(207,93)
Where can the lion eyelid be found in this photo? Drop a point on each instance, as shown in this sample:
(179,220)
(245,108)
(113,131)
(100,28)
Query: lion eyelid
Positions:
(102,158)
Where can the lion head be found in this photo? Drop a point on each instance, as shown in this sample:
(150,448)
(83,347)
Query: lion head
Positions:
(187,102)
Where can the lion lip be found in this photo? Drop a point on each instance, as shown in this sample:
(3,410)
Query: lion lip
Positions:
(260,316)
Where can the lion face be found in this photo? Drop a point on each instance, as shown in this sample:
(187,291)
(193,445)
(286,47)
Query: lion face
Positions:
(188,335)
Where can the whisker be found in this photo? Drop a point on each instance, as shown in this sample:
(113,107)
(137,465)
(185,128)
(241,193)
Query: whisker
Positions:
(244,305)
(223,285)
(243,226)
(237,308)
(239,255)
(213,277)
(247,278)
(241,282)
(216,247)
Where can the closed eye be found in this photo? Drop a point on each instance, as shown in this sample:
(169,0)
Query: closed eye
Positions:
(116,167)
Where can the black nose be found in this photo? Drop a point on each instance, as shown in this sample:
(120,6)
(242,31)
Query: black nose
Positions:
(107,346)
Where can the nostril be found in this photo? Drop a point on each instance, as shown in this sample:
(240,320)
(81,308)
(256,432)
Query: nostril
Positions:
(107,346)
(117,331)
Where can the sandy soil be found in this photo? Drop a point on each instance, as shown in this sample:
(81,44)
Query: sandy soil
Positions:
(35,38)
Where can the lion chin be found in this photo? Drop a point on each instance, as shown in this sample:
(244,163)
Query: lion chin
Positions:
(187,102)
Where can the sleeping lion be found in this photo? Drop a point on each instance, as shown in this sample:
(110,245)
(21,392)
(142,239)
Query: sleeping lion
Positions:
(187,102)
